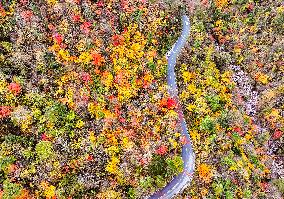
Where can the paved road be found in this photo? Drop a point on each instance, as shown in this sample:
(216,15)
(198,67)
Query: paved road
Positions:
(183,179)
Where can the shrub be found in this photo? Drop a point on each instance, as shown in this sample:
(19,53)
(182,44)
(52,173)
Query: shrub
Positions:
(44,150)
(11,190)
(207,124)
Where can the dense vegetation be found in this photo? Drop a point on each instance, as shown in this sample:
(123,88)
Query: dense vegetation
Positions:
(84,108)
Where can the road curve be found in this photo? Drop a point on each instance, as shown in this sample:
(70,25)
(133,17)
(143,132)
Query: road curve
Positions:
(183,179)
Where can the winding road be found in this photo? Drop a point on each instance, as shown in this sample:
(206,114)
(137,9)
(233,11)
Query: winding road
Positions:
(181,181)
